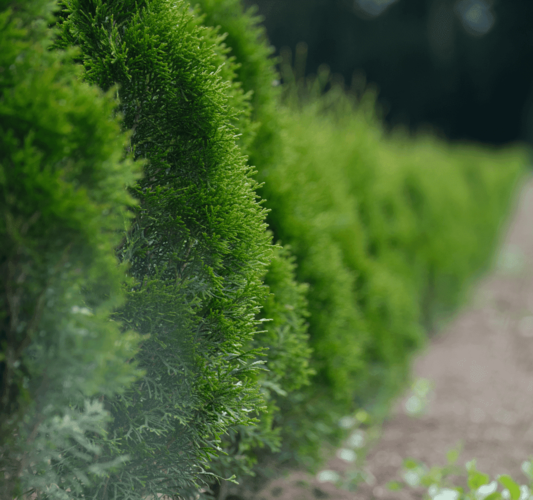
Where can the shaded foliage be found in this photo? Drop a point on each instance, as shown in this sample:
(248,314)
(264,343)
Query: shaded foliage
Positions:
(63,205)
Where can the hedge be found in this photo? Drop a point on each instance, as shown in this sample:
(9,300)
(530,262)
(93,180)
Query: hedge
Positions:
(380,235)
(197,248)
(413,220)
(285,343)
(63,206)
(387,231)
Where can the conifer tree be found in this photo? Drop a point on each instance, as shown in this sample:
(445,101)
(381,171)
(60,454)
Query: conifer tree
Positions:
(284,341)
(248,43)
(337,333)
(62,208)
(198,246)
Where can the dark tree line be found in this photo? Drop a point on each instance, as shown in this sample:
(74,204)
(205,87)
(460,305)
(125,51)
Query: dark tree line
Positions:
(428,64)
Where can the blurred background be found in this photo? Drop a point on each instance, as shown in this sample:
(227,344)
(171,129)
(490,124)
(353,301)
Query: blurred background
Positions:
(464,67)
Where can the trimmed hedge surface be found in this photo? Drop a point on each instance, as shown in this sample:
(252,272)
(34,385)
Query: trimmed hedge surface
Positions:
(197,248)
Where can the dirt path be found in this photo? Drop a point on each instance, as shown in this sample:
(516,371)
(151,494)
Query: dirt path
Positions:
(481,368)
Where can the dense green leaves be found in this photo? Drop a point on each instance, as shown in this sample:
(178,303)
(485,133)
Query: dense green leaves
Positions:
(197,248)
(410,221)
(246,349)
(62,208)
(248,44)
(283,344)
(285,341)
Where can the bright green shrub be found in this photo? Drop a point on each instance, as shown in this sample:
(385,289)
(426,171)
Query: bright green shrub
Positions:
(388,231)
(354,302)
(433,210)
(62,208)
(248,44)
(197,248)
(285,341)
(285,351)
(478,184)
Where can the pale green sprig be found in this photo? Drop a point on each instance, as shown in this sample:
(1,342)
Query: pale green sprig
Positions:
(480,486)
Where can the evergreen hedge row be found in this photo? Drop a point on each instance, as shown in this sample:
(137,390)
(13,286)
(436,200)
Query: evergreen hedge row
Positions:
(413,221)
(379,236)
(387,232)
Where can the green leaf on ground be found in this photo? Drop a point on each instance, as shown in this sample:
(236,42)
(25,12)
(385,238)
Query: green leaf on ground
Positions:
(477,479)
(507,481)
(394,486)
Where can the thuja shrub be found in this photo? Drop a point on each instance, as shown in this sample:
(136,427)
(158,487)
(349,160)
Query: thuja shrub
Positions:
(403,223)
(246,38)
(432,210)
(314,210)
(466,187)
(197,247)
(431,214)
(63,202)
(285,341)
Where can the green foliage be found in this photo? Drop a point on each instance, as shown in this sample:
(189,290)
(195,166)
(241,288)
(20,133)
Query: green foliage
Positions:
(285,340)
(439,483)
(246,38)
(334,313)
(62,208)
(285,351)
(389,236)
(445,205)
(285,331)
(197,248)
(314,211)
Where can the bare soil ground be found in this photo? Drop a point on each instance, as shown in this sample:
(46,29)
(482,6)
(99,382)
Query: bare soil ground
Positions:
(481,368)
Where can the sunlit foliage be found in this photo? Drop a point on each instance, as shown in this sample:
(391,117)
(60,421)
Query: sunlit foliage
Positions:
(197,248)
